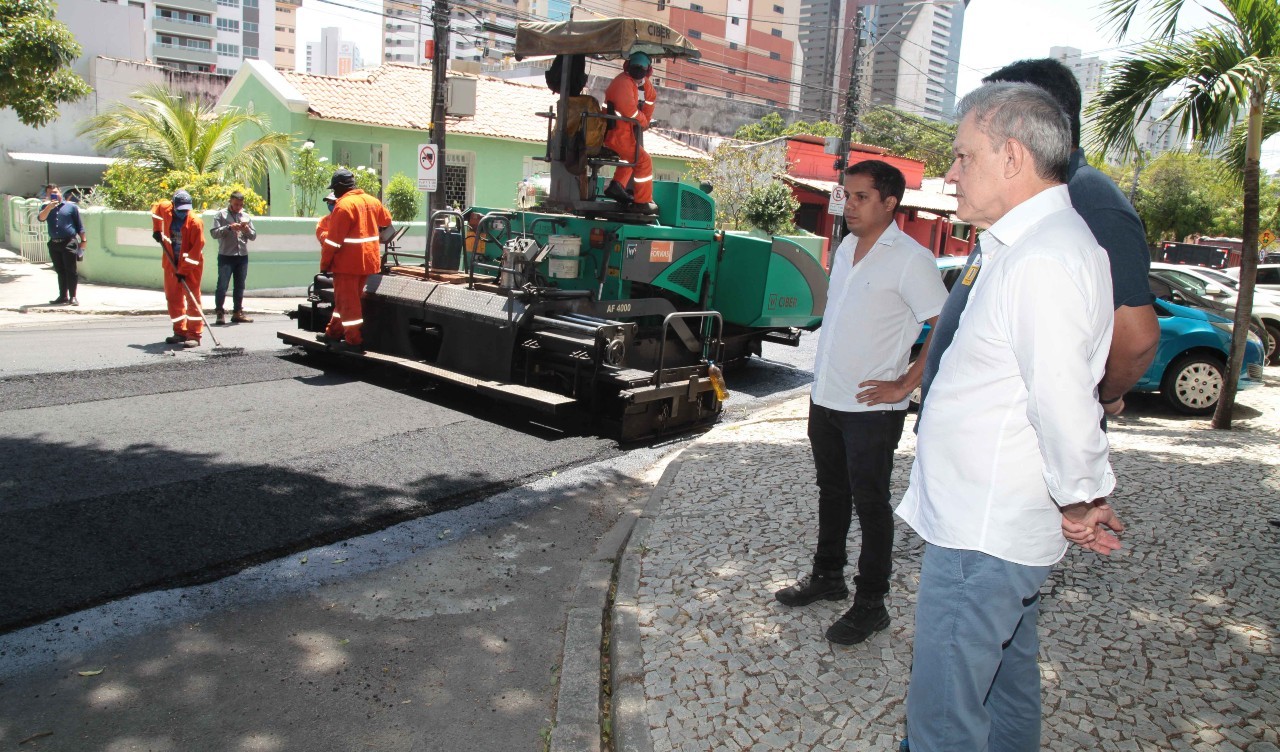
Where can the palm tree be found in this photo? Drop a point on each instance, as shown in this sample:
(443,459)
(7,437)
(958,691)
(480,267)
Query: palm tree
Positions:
(1225,76)
(165,131)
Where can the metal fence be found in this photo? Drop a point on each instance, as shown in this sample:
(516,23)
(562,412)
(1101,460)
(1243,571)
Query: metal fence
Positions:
(28,232)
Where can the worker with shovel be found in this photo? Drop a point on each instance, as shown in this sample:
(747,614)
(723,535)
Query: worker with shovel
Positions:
(182,238)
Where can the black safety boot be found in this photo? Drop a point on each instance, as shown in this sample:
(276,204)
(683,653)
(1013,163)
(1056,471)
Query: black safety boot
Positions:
(814,587)
(616,192)
(858,623)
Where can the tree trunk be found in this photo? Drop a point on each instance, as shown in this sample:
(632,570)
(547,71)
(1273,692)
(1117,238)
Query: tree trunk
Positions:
(1248,262)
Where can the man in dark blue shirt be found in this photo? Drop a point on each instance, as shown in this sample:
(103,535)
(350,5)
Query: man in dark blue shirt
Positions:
(1116,227)
(65,249)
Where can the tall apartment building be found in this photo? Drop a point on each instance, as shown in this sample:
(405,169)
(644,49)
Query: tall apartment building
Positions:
(216,35)
(476,33)
(286,43)
(332,55)
(909,55)
(1088,70)
(914,55)
(826,36)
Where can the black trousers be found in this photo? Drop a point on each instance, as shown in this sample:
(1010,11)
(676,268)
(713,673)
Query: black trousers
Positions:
(853,456)
(64,254)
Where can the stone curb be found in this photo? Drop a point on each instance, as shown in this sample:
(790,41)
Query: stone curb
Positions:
(616,560)
(576,726)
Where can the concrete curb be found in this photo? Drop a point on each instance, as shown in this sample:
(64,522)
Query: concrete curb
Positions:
(576,726)
(630,713)
(616,562)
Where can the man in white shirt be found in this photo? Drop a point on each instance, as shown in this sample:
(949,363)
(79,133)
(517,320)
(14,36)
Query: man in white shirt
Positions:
(1011,455)
(884,287)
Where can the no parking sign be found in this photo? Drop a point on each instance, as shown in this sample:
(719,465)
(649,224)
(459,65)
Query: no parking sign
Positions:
(427,167)
(836,204)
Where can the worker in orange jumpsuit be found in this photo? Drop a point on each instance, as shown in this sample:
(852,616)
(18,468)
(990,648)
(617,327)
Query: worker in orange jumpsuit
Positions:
(631,95)
(322,227)
(157,221)
(351,252)
(182,241)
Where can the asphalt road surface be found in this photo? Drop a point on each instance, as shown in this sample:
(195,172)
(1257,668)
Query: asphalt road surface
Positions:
(320,558)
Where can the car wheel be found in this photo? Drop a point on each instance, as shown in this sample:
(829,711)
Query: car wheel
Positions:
(1193,383)
(1273,343)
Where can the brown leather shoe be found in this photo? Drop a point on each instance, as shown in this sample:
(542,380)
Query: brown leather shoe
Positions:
(238,317)
(222,318)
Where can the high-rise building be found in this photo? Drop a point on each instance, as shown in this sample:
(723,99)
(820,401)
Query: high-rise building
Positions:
(286,43)
(332,55)
(1088,71)
(914,55)
(476,34)
(214,36)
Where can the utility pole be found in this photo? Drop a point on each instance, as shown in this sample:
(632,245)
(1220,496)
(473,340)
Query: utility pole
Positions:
(850,119)
(439,91)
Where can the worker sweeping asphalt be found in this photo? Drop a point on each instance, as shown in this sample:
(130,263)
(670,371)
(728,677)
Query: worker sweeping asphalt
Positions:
(182,238)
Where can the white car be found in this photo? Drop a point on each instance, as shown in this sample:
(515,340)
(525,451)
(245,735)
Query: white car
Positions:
(1220,286)
(1268,276)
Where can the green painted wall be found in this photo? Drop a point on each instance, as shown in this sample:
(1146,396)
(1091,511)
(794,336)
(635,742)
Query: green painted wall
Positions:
(498,163)
(285,254)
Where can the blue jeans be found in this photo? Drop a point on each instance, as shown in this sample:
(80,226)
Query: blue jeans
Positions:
(975,682)
(227,267)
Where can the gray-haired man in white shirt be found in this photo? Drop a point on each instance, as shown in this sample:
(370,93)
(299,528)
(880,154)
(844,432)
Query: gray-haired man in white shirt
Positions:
(1011,455)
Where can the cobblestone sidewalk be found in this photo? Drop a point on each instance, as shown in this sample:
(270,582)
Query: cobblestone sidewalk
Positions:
(1169,645)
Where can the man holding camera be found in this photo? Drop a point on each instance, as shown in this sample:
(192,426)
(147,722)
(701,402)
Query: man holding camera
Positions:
(65,250)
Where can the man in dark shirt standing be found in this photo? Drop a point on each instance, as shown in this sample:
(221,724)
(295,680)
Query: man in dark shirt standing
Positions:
(1117,228)
(63,219)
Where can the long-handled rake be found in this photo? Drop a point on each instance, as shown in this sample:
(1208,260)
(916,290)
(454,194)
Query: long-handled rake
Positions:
(218,349)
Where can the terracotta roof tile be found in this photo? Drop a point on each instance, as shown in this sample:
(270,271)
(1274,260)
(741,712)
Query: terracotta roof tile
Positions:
(399,96)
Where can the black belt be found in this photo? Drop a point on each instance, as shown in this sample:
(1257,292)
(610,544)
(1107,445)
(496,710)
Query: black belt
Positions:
(61,240)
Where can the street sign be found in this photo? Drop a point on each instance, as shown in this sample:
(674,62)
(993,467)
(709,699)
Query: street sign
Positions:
(1266,238)
(428,167)
(836,204)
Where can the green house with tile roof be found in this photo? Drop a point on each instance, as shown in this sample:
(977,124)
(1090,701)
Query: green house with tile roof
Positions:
(379,117)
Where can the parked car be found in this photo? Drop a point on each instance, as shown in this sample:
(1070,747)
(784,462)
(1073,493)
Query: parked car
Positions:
(1190,361)
(1176,290)
(1213,284)
(1268,275)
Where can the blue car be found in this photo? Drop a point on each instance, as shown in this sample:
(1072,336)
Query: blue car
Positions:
(1192,356)
(1190,359)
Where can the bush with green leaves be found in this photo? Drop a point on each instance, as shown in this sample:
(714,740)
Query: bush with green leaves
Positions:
(367,179)
(309,172)
(404,200)
(128,186)
(772,209)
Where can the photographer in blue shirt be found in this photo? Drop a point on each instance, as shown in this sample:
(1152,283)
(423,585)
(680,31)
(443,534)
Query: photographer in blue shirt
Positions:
(65,249)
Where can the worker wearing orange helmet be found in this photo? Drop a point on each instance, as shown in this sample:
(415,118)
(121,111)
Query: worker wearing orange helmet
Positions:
(631,95)
(350,251)
(182,240)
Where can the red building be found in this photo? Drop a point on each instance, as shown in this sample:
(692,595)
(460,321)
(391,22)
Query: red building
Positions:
(926,214)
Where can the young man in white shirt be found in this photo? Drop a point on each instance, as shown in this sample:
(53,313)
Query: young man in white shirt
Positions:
(1011,455)
(884,287)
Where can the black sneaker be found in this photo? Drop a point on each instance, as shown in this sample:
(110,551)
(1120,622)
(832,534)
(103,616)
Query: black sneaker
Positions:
(175,339)
(858,623)
(814,587)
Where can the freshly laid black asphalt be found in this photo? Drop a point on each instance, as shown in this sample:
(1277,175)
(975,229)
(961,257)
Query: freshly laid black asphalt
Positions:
(125,480)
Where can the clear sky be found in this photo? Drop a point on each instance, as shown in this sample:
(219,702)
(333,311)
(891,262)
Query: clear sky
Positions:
(996,32)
